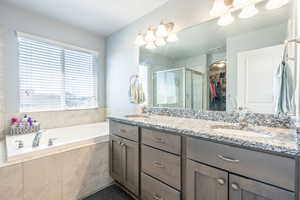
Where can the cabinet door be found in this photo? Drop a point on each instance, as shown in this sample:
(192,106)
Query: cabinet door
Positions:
(205,183)
(130,159)
(247,189)
(116,151)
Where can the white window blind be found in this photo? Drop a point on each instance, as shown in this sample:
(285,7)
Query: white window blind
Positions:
(55,78)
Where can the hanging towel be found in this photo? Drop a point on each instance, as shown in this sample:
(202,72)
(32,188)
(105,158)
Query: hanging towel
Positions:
(136,92)
(284,88)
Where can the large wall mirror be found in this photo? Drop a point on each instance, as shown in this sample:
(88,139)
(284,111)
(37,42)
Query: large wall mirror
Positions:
(220,68)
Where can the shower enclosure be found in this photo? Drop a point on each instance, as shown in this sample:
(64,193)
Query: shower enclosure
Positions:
(178,88)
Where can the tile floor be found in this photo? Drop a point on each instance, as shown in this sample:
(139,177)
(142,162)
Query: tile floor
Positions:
(110,193)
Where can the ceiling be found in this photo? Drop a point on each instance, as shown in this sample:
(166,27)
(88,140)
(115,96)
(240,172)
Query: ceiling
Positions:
(209,37)
(99,16)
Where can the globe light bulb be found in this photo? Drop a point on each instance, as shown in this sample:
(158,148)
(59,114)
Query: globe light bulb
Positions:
(218,8)
(161,30)
(172,37)
(150,45)
(226,20)
(248,11)
(160,42)
(140,41)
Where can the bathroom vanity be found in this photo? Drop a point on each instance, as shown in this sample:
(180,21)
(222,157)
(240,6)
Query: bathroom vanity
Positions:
(172,158)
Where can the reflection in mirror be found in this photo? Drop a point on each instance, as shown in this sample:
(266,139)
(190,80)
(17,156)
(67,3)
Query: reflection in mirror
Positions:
(220,68)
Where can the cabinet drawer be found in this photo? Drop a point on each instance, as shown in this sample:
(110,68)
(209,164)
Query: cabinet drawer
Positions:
(123,130)
(275,170)
(161,165)
(154,189)
(160,140)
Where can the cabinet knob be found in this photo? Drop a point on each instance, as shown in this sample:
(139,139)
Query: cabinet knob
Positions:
(235,186)
(221,181)
(123,144)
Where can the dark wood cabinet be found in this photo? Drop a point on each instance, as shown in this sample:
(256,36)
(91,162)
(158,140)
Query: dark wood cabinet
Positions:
(203,169)
(205,183)
(124,163)
(246,189)
(131,165)
(116,165)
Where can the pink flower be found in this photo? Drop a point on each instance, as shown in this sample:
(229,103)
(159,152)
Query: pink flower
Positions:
(14,120)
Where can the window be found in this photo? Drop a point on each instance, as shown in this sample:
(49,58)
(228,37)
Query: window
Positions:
(53,77)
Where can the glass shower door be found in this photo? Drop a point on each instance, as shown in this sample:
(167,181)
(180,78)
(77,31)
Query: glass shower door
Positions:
(168,88)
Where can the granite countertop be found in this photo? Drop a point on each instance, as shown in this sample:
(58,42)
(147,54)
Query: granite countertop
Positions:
(281,141)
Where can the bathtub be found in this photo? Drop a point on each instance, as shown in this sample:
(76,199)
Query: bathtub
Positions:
(64,139)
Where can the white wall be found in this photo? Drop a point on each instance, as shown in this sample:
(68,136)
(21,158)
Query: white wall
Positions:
(195,62)
(14,19)
(253,40)
(123,55)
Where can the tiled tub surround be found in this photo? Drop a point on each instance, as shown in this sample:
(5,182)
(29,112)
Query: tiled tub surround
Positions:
(278,140)
(68,174)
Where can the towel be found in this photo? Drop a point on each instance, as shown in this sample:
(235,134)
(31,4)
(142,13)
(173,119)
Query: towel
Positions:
(136,92)
(284,89)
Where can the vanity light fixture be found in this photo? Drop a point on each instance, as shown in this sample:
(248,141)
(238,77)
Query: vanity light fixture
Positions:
(226,19)
(273,4)
(223,9)
(156,37)
(140,41)
(248,12)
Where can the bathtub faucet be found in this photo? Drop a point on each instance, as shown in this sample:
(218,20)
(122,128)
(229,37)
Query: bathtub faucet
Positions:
(36,140)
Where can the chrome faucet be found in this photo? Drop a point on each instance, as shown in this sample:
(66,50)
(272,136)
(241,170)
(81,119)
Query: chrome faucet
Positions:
(36,140)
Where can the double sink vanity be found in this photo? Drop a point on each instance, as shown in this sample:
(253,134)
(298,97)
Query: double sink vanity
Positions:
(212,129)
(158,157)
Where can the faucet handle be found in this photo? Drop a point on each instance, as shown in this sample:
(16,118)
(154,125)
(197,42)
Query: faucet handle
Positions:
(20,144)
(50,141)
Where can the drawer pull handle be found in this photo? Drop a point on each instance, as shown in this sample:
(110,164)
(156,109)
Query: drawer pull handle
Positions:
(156,197)
(221,181)
(235,186)
(159,140)
(228,159)
(158,164)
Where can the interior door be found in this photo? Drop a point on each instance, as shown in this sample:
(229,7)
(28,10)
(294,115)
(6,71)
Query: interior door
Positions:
(131,165)
(205,183)
(116,151)
(246,189)
(255,78)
